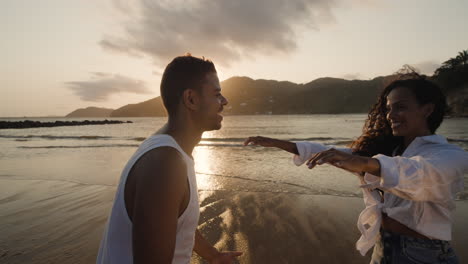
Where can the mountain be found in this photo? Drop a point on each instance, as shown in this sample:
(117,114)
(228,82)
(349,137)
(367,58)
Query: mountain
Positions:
(91,112)
(152,107)
(321,96)
(247,97)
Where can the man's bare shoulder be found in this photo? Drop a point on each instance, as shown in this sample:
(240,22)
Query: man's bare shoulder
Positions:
(161,155)
(159,162)
(160,171)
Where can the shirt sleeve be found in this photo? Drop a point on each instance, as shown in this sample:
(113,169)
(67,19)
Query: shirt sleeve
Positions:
(307,149)
(435,177)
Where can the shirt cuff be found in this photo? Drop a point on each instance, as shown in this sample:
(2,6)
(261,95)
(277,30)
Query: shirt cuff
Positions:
(389,175)
(370,181)
(306,150)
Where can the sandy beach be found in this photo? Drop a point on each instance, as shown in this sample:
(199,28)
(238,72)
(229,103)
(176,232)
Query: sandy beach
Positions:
(62,222)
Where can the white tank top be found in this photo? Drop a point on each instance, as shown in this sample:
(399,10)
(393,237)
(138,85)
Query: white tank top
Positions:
(116,245)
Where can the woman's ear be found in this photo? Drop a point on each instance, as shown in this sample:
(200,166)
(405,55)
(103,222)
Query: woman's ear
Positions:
(428,109)
(190,99)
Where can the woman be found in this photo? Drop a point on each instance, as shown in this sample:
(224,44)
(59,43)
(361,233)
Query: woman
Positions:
(410,175)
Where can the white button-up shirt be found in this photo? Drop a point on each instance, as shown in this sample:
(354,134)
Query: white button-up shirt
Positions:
(419,187)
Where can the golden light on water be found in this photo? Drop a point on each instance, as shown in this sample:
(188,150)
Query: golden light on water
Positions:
(203,157)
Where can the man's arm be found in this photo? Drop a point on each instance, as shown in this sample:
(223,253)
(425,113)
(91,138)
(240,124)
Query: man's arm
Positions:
(160,182)
(203,248)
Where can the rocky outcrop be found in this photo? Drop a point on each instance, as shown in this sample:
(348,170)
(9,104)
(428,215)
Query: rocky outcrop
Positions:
(31,124)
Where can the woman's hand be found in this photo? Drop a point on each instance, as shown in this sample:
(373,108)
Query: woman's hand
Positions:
(342,160)
(261,141)
(272,142)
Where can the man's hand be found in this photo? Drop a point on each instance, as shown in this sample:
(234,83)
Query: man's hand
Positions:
(211,254)
(225,257)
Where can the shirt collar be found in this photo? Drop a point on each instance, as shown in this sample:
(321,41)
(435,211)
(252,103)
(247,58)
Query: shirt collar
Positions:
(419,141)
(433,139)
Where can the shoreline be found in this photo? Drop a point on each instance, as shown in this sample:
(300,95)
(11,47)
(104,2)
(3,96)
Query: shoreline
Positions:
(63,222)
(462,116)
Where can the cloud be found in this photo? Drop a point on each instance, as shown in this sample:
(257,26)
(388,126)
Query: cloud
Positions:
(157,72)
(103,85)
(222,30)
(427,67)
(353,76)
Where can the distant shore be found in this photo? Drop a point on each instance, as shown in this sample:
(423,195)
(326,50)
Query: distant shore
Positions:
(32,124)
(225,114)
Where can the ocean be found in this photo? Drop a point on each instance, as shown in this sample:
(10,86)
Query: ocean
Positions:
(96,154)
(57,187)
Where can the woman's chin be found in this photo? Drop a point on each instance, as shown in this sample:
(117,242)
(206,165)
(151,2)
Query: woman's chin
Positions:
(397,133)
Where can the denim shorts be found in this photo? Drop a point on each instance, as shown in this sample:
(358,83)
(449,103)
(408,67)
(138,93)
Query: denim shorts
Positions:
(394,248)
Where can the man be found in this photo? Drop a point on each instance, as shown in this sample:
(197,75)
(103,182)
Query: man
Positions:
(155,213)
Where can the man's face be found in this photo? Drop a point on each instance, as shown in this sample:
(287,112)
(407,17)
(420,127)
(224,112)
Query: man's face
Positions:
(212,103)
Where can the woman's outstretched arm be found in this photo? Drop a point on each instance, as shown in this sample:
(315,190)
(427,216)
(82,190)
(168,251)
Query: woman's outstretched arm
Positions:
(272,142)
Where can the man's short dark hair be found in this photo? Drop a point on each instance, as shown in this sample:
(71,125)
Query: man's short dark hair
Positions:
(182,73)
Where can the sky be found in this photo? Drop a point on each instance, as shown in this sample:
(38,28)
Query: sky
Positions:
(61,55)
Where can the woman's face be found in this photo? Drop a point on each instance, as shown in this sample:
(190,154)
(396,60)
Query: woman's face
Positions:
(406,116)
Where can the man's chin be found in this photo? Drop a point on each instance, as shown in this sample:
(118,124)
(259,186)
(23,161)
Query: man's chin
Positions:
(218,126)
(215,127)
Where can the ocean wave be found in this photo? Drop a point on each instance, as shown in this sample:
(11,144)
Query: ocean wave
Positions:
(226,139)
(458,140)
(242,139)
(234,139)
(340,143)
(14,178)
(219,145)
(85,146)
(315,139)
(19,138)
(303,190)
(328,140)
(257,186)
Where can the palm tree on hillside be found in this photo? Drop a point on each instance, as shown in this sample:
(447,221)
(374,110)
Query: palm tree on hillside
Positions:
(453,73)
(451,63)
(454,63)
(463,57)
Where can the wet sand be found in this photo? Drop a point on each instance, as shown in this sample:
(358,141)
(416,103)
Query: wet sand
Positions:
(62,222)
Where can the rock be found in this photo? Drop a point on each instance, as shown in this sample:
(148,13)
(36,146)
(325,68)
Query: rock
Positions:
(32,124)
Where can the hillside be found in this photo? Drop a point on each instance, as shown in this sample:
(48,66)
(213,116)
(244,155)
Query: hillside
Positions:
(248,97)
(152,107)
(321,96)
(91,112)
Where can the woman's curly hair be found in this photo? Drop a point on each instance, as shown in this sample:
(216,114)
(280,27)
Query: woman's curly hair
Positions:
(377,137)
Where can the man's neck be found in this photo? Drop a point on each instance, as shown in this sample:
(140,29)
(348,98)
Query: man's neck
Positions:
(184,133)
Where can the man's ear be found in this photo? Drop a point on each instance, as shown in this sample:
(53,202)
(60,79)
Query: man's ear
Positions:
(428,109)
(190,99)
